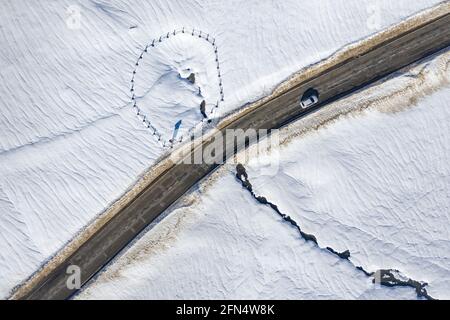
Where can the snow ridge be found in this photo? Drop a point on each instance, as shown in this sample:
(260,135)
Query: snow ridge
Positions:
(389,278)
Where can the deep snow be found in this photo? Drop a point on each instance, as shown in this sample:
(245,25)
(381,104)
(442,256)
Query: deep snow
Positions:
(70,141)
(229,247)
(375,182)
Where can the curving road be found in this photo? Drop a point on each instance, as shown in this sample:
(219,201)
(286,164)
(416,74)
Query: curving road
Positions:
(334,83)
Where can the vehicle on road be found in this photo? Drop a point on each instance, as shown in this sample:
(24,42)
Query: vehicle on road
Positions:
(309,98)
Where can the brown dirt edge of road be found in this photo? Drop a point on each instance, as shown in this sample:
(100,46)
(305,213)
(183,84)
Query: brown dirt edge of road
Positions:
(167,161)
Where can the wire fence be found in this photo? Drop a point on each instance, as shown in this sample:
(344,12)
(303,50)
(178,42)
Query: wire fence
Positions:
(169,143)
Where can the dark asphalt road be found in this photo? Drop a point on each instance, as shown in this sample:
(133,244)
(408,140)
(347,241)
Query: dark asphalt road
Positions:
(332,84)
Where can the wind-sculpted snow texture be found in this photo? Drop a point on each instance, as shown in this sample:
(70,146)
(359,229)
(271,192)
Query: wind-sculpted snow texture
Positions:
(227,245)
(377,186)
(357,208)
(70,141)
(389,278)
(179,86)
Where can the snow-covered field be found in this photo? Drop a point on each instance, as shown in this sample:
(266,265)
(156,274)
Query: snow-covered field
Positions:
(228,246)
(375,181)
(70,140)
